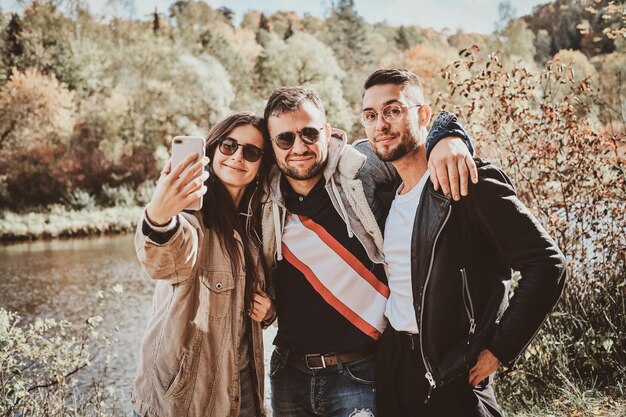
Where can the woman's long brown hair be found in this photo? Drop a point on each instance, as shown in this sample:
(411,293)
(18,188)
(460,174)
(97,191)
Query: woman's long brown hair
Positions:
(219,211)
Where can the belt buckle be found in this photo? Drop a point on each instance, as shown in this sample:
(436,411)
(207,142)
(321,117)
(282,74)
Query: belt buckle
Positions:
(306,362)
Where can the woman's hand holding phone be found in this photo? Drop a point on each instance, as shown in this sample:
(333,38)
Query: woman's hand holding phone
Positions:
(177,189)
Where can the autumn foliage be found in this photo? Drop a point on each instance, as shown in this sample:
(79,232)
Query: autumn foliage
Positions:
(544,129)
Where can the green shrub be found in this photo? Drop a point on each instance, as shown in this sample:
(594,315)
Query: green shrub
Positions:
(122,196)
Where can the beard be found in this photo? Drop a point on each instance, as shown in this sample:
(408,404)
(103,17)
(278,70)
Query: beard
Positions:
(409,142)
(302,174)
(393,154)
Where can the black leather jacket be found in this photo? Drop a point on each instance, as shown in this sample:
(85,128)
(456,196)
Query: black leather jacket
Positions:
(462,255)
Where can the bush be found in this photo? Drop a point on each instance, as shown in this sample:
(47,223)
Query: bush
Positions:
(144,194)
(41,365)
(122,196)
(542,129)
(79,200)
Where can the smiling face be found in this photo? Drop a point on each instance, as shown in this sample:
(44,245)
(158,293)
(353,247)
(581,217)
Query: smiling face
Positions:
(233,170)
(302,162)
(392,141)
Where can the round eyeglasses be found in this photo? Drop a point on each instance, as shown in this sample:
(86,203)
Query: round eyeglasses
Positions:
(391,113)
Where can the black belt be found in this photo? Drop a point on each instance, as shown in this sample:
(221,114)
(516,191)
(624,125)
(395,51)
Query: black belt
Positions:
(321,361)
(410,341)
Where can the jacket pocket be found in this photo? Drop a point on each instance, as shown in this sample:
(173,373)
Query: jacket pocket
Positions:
(176,384)
(468,303)
(220,287)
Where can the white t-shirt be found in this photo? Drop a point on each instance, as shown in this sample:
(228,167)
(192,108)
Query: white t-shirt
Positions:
(397,248)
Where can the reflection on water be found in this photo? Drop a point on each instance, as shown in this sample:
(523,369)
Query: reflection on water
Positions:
(60,279)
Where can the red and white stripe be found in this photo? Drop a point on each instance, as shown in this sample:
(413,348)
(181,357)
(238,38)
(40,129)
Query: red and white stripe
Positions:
(337,275)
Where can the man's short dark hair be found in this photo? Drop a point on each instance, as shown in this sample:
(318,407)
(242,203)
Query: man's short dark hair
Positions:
(289,100)
(396,76)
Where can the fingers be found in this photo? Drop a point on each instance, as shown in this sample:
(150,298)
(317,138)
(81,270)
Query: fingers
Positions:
(194,170)
(193,196)
(453,175)
(258,312)
(474,376)
(167,168)
(433,175)
(183,165)
(471,165)
(193,185)
(256,316)
(442,175)
(463,175)
(262,307)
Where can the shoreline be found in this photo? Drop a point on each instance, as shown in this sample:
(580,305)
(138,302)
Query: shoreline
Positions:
(63,223)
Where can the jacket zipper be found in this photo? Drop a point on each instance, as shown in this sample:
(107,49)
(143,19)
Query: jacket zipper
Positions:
(468,309)
(429,374)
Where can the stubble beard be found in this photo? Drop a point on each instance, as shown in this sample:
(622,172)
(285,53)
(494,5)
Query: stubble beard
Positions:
(408,144)
(398,152)
(302,174)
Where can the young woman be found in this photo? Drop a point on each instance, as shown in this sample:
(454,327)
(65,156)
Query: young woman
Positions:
(202,354)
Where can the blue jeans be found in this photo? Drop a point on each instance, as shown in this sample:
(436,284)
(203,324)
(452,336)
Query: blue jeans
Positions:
(344,390)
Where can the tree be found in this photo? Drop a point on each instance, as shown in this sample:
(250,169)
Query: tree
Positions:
(42,39)
(519,40)
(12,47)
(35,107)
(427,61)
(406,38)
(264,23)
(506,13)
(250,20)
(347,36)
(227,14)
(289,63)
(282,23)
(237,51)
(560,19)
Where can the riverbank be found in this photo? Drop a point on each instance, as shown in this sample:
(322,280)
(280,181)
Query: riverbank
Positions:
(60,222)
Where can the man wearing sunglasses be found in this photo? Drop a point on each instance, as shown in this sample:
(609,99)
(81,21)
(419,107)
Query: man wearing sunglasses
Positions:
(322,235)
(451,323)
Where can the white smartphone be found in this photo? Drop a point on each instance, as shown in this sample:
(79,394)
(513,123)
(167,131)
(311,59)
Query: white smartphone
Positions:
(182,147)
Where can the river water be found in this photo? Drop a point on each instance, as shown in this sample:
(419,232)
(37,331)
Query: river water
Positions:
(60,279)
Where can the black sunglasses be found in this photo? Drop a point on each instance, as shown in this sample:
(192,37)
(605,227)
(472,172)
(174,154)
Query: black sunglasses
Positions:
(309,135)
(251,153)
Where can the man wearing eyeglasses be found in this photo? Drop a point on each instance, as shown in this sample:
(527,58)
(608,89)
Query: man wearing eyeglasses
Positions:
(322,235)
(450,320)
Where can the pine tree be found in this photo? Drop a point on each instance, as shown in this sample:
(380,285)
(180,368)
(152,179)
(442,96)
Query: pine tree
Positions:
(156,22)
(264,23)
(406,38)
(13,47)
(347,36)
(288,32)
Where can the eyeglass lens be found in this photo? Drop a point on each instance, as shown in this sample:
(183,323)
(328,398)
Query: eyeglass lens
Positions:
(250,152)
(309,135)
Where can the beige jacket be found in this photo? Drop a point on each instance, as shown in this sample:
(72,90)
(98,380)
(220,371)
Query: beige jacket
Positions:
(188,363)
